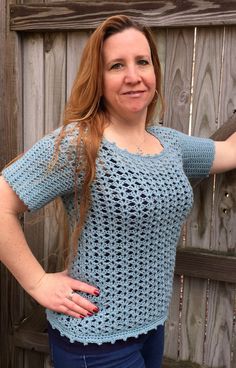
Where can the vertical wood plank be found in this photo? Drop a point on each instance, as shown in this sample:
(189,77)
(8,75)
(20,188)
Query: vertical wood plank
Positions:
(177,92)
(33,359)
(178,76)
(205,108)
(55,79)
(160,37)
(220,328)
(172,324)
(219,325)
(55,95)
(193,320)
(224,231)
(11,295)
(33,107)
(55,82)
(75,45)
(33,94)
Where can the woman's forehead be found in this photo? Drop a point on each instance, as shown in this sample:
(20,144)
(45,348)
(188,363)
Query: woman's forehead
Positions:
(129,41)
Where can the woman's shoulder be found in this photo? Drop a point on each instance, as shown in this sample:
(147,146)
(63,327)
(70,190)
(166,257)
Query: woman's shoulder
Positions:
(70,130)
(62,138)
(166,133)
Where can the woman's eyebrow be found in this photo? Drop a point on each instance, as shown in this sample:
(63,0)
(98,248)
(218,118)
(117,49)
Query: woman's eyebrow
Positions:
(120,59)
(117,60)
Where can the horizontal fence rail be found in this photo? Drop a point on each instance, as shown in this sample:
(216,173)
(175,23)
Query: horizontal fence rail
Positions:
(86,15)
(200,264)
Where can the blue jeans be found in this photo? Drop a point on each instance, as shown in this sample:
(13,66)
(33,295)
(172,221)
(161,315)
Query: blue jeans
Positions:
(146,353)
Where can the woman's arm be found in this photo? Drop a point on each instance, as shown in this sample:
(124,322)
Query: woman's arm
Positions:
(50,290)
(225,155)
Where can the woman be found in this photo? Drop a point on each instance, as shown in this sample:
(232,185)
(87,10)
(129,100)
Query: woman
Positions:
(124,186)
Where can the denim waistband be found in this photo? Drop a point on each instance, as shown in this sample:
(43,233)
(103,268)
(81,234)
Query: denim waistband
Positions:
(91,348)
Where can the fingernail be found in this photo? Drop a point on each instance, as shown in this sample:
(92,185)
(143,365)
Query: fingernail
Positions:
(96,292)
(89,314)
(81,316)
(96,310)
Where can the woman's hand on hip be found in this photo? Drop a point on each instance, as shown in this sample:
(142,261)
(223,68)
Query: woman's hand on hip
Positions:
(60,293)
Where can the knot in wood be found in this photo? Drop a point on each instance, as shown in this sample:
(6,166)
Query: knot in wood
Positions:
(183,97)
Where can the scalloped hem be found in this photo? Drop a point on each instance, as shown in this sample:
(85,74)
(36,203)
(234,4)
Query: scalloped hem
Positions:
(111,338)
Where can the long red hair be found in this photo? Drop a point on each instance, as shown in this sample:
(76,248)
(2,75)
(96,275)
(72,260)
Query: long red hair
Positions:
(86,106)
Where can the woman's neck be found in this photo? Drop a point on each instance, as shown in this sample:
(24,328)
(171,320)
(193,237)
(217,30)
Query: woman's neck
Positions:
(129,127)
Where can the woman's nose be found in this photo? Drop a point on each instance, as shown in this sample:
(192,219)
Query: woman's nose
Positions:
(132,75)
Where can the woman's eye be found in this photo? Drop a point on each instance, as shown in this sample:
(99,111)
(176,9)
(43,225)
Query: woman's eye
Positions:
(117,66)
(143,62)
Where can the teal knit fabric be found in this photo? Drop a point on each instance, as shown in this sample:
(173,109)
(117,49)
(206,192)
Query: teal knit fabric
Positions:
(128,245)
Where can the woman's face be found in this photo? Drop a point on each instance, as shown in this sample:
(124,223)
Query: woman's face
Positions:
(129,81)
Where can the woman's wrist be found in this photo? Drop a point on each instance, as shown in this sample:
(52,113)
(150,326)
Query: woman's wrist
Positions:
(31,285)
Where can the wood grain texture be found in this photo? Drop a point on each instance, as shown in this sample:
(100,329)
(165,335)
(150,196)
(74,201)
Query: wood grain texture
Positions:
(11,295)
(160,38)
(193,320)
(86,15)
(55,93)
(33,107)
(33,93)
(34,129)
(228,88)
(205,101)
(54,79)
(219,325)
(219,332)
(172,325)
(207,265)
(228,97)
(178,73)
(75,44)
(10,91)
(33,102)
(224,217)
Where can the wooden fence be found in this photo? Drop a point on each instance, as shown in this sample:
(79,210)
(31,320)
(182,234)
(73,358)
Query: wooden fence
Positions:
(41,45)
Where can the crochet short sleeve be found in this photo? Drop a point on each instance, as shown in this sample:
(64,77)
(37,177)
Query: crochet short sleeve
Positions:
(32,178)
(197,153)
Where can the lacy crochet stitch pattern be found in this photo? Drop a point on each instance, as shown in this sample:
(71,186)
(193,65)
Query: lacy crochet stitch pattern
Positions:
(128,245)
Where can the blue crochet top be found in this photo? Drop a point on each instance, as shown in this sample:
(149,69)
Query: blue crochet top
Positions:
(128,245)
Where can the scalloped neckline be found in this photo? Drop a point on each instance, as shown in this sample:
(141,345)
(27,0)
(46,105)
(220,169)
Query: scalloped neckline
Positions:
(125,151)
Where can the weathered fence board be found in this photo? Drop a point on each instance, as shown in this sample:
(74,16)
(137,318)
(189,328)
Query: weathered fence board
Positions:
(202,264)
(33,117)
(172,326)
(219,327)
(10,142)
(55,97)
(177,90)
(205,100)
(75,44)
(221,298)
(86,15)
(55,79)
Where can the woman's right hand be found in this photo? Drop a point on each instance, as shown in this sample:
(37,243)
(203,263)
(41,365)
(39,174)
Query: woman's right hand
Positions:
(59,292)
(52,290)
